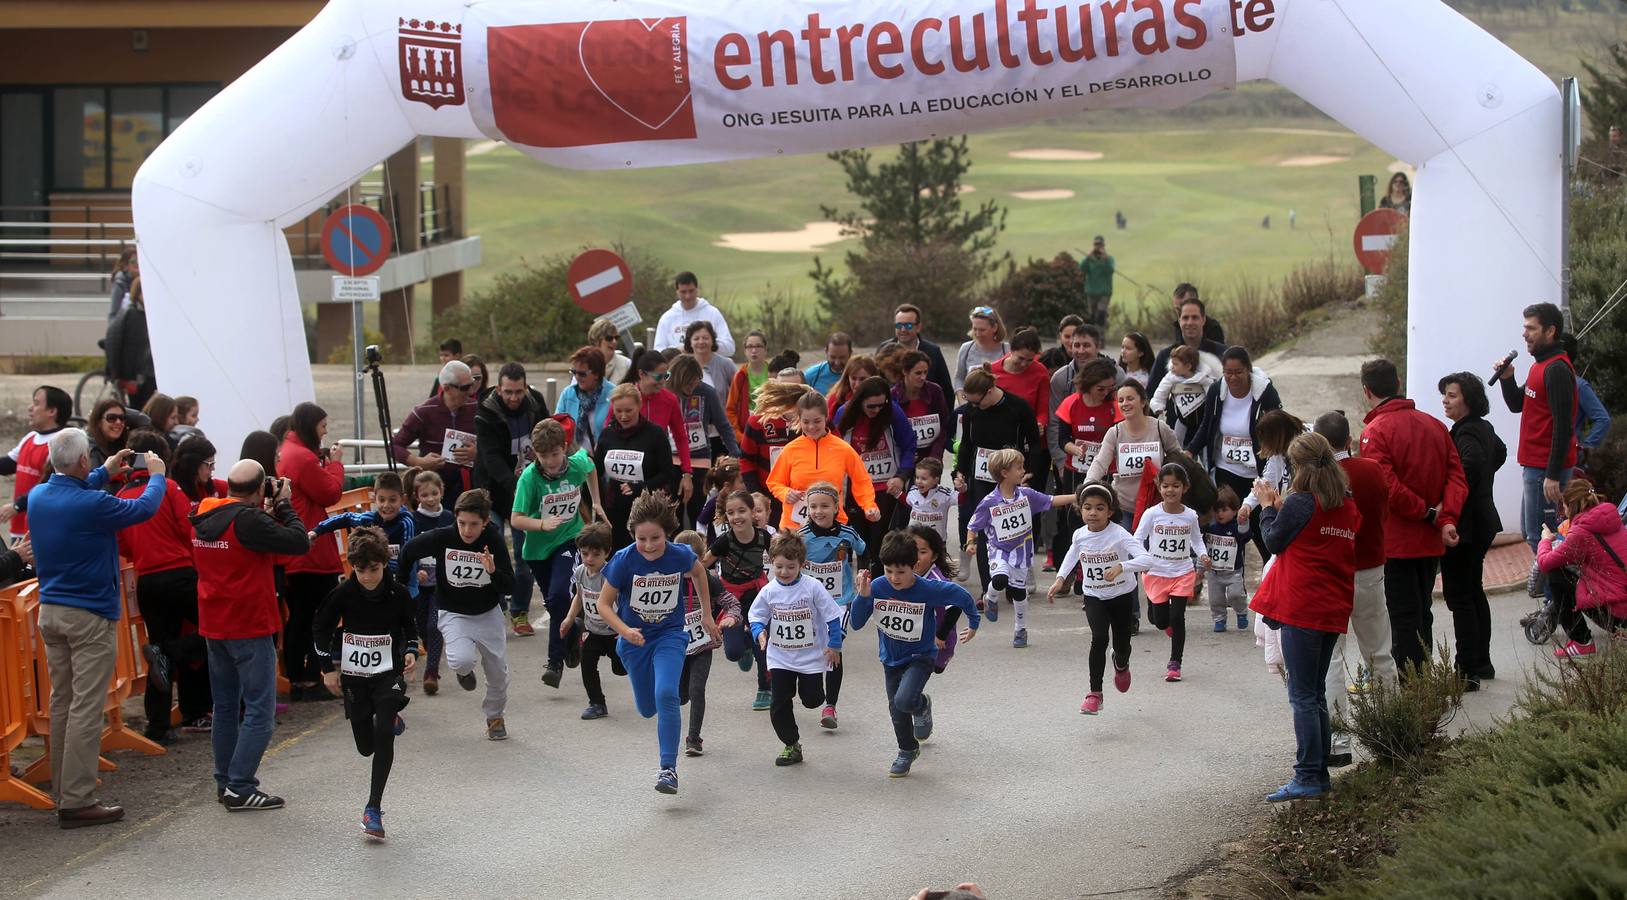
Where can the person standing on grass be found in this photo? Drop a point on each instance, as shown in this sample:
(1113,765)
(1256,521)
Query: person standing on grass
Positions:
(908,333)
(1098,268)
(690,307)
(1423,475)
(75,523)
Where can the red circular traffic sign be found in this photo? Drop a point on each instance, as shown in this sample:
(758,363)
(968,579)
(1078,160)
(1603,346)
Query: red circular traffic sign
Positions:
(1375,233)
(599,281)
(355,240)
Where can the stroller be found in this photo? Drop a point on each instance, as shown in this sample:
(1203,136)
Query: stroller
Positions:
(1541,625)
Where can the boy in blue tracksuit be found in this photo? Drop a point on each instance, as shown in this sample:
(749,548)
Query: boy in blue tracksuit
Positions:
(387,514)
(833,553)
(906,609)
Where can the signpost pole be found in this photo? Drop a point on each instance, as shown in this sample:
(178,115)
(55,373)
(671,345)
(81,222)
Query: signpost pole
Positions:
(358,336)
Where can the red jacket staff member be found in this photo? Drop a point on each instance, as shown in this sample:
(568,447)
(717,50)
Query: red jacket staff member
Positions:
(1547,407)
(316,478)
(1306,595)
(48,413)
(1423,477)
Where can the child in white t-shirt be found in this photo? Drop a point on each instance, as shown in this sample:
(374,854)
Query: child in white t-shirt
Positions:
(1107,557)
(1170,531)
(930,501)
(798,625)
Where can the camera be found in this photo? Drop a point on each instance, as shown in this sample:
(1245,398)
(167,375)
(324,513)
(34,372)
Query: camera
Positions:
(372,355)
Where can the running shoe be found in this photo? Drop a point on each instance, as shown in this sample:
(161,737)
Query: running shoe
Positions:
(203,724)
(902,762)
(400,726)
(1572,648)
(1220,626)
(763,701)
(827,717)
(158,670)
(573,651)
(1242,621)
(1296,790)
(495,731)
(522,625)
(252,801)
(432,684)
(1121,678)
(922,721)
(790,756)
(1172,672)
(692,747)
(744,662)
(667,781)
(1092,704)
(991,606)
(1169,632)
(551,676)
(1020,639)
(373,823)
(466,680)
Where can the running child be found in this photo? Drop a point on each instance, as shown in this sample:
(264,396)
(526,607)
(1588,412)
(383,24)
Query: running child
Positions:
(1224,536)
(762,513)
(723,480)
(644,582)
(740,553)
(797,624)
(365,663)
(1006,518)
(1171,533)
(548,510)
(833,555)
(471,577)
(698,654)
(932,562)
(1106,555)
(427,515)
(387,515)
(593,548)
(907,608)
(930,500)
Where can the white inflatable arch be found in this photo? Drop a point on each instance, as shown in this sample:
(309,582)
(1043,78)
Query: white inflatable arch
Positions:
(620,83)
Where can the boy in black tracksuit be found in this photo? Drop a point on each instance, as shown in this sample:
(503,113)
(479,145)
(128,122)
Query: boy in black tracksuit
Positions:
(367,637)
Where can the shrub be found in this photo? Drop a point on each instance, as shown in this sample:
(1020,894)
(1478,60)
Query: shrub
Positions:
(1041,293)
(1313,845)
(782,321)
(1397,724)
(1321,283)
(1254,317)
(528,314)
(1607,463)
(1390,341)
(1598,258)
(943,278)
(345,354)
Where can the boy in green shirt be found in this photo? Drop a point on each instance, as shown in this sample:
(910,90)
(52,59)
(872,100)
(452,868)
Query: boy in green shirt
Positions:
(548,509)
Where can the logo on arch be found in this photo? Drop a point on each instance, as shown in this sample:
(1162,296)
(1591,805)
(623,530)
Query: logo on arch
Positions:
(580,84)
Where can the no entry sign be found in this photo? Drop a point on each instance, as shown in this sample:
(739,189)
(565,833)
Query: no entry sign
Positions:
(1375,234)
(599,281)
(356,240)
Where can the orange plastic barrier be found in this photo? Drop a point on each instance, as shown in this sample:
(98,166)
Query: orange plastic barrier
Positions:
(16,696)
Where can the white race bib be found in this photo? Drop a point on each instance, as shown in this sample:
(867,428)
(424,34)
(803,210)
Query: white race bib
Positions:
(1171,542)
(792,629)
(453,441)
(799,514)
(929,517)
(590,607)
(1133,457)
(563,504)
(395,552)
(655,596)
(697,437)
(1239,451)
(879,464)
(698,637)
(366,654)
(1093,572)
(828,574)
(1012,521)
(465,569)
(1081,463)
(901,620)
(1222,551)
(625,465)
(774,455)
(925,428)
(980,468)
(1186,402)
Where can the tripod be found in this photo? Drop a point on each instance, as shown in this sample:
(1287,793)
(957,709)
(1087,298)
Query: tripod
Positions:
(381,399)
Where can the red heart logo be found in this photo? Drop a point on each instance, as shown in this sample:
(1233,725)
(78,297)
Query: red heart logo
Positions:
(639,66)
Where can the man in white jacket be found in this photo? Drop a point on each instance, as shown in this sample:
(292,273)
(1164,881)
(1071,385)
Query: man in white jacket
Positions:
(691,307)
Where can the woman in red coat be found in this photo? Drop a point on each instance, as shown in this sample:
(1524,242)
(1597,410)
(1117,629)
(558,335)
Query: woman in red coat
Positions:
(316,478)
(1307,595)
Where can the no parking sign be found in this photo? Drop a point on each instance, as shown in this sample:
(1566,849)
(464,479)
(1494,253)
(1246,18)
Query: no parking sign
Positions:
(356,240)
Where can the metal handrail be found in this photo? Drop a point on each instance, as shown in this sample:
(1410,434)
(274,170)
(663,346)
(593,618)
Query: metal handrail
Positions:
(87,225)
(57,276)
(67,242)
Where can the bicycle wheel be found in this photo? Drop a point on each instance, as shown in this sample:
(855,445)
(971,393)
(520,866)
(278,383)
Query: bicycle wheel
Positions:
(94,387)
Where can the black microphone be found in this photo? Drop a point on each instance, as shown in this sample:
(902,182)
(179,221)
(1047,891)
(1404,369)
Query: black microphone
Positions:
(1497,373)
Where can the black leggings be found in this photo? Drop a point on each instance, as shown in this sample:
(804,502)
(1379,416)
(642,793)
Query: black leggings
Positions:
(758,653)
(372,704)
(1003,585)
(593,647)
(873,532)
(969,499)
(306,591)
(786,685)
(168,600)
(1109,615)
(692,689)
(1171,616)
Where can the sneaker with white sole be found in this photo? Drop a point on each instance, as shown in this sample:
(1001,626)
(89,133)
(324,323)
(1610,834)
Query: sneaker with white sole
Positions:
(827,716)
(692,747)
(252,801)
(902,762)
(373,823)
(922,722)
(1572,648)
(1092,704)
(1172,672)
(496,730)
(666,781)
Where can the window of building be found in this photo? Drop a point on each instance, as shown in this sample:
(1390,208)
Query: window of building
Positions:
(100,136)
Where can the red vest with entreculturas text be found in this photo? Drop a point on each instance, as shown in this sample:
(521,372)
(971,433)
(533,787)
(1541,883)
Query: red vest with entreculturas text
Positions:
(1313,582)
(1537,419)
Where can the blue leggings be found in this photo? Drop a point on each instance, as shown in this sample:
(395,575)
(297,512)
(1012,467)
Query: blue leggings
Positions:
(654,671)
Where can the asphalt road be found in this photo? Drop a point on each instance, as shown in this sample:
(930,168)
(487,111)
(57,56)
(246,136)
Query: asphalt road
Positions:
(1016,790)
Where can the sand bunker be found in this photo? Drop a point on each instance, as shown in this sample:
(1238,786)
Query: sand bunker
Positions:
(1054,154)
(1306,161)
(813,236)
(964,189)
(1047,194)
